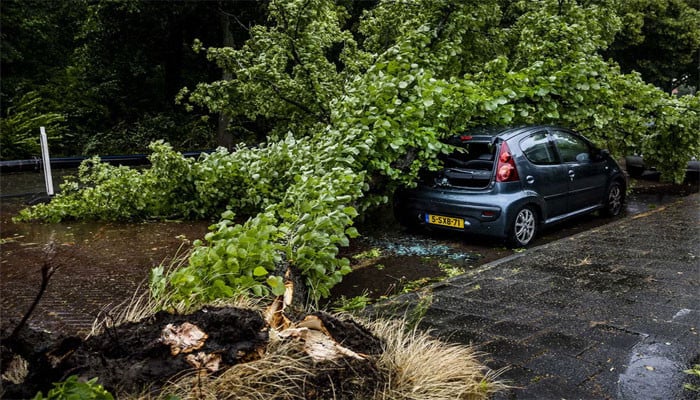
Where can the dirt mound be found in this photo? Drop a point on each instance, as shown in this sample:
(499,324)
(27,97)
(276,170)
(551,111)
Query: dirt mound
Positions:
(134,357)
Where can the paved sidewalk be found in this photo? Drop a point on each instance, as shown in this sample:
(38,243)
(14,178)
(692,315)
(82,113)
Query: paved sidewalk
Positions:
(611,313)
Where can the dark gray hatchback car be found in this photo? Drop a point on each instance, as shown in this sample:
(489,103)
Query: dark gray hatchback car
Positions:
(509,182)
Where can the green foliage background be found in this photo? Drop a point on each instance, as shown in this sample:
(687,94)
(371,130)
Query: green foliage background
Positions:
(355,113)
(110,70)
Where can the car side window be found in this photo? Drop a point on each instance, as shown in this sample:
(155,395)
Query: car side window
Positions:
(538,149)
(571,148)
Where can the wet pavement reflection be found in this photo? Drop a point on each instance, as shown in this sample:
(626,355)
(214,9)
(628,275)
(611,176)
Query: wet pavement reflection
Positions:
(99,265)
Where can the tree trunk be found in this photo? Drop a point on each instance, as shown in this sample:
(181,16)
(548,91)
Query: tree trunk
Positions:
(223,136)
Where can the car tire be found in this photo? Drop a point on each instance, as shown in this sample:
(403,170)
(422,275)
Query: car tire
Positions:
(614,200)
(523,228)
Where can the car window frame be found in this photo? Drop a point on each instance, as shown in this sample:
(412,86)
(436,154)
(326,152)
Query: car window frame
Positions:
(550,145)
(589,146)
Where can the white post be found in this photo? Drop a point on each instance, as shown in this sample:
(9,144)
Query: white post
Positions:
(47,162)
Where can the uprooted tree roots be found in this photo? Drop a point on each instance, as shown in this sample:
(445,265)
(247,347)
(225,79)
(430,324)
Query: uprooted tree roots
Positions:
(243,353)
(146,355)
(237,353)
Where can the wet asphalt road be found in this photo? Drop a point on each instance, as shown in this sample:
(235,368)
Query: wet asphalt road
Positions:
(104,264)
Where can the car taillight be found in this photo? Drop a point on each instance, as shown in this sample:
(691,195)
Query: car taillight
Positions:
(506,171)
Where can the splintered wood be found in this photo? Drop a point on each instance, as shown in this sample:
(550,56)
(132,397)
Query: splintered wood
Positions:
(184,338)
(316,340)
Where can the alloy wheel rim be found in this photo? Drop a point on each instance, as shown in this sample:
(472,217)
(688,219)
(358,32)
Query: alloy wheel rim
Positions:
(525,226)
(615,199)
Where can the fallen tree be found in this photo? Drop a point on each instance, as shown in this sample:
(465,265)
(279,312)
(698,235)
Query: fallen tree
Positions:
(364,120)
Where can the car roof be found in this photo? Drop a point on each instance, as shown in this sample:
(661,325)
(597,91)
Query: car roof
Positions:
(489,133)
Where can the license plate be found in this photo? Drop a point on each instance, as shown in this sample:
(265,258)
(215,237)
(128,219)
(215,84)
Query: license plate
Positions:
(444,221)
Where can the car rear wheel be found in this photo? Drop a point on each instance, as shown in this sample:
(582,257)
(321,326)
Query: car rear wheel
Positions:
(523,228)
(615,199)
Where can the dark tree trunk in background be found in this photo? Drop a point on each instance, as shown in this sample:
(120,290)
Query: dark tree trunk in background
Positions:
(223,136)
(173,58)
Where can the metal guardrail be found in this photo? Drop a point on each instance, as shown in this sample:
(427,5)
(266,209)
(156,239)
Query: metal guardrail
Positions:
(36,164)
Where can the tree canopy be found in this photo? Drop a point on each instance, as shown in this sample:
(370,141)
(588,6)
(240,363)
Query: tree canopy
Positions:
(102,75)
(355,113)
(660,39)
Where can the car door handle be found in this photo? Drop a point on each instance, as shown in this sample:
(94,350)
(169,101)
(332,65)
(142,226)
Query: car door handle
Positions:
(530,179)
(572,174)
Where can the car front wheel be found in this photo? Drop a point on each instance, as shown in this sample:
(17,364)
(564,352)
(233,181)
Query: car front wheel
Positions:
(614,201)
(523,228)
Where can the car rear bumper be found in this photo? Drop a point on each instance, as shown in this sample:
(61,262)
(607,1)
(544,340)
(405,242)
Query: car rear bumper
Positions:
(478,211)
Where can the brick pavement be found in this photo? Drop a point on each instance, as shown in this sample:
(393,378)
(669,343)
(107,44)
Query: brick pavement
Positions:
(611,313)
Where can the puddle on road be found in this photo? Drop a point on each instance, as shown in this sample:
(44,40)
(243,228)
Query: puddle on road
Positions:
(387,276)
(652,373)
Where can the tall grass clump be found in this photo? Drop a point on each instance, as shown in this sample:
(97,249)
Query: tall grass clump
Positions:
(421,367)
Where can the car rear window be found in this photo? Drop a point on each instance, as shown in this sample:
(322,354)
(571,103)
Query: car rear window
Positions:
(470,165)
(471,155)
